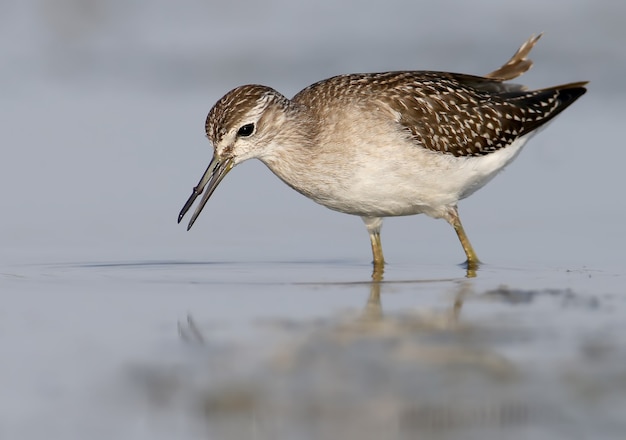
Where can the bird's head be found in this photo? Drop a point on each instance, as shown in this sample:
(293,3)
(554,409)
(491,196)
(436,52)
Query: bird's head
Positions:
(242,125)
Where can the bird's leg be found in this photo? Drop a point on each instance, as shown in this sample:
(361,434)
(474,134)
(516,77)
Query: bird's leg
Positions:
(379,260)
(377,249)
(452,217)
(373,225)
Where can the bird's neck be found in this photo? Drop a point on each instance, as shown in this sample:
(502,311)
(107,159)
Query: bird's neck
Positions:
(295,148)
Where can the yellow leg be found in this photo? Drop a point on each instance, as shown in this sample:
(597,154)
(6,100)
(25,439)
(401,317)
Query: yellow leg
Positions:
(377,249)
(373,225)
(472,259)
(379,260)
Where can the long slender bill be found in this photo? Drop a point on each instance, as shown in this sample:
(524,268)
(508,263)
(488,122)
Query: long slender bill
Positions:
(215,172)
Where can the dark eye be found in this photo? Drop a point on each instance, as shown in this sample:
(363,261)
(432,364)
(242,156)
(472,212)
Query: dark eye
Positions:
(245,130)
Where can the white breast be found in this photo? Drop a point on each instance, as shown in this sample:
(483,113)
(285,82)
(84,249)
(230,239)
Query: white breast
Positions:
(380,172)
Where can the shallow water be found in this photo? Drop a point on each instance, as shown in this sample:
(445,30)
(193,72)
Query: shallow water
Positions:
(282,350)
(262,321)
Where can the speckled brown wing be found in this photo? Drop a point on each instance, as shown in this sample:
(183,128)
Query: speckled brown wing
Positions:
(465,115)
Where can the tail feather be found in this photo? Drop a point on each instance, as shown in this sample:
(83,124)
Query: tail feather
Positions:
(545,104)
(518,64)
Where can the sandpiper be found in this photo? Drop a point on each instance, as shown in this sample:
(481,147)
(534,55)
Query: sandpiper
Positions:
(384,144)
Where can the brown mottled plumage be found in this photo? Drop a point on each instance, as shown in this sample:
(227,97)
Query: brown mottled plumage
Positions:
(384,144)
(451,113)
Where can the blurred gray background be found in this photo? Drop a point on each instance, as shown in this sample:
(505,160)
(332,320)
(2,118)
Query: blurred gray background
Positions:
(103,107)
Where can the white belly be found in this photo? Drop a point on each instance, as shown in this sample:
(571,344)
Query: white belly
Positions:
(419,182)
